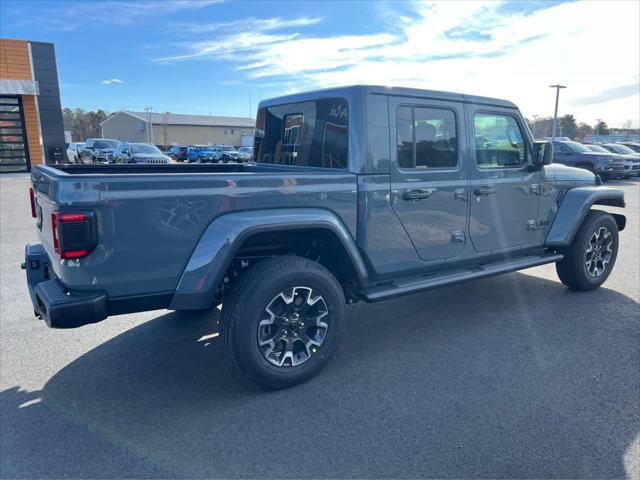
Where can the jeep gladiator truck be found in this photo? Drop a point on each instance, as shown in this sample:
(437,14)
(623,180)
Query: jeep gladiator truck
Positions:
(357,193)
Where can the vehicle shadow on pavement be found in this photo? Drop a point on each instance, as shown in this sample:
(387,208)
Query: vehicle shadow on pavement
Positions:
(513,376)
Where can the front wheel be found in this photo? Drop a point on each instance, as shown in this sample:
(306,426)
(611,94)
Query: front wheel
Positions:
(283,321)
(589,259)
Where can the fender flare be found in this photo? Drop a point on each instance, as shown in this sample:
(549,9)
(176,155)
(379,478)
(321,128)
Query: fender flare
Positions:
(223,237)
(575,205)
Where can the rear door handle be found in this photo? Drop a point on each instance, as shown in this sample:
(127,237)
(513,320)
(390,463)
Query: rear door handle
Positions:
(418,194)
(484,191)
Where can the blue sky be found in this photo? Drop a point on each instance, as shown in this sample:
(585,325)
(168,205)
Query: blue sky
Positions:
(222,57)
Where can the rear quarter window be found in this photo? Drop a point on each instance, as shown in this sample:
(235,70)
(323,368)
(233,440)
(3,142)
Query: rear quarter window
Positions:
(306,134)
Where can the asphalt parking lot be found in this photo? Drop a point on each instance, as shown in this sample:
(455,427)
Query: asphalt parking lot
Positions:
(513,376)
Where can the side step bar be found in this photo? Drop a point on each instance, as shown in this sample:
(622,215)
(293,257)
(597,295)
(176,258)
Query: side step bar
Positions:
(442,279)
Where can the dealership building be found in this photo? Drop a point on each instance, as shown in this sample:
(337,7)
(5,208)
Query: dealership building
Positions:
(31,128)
(178,129)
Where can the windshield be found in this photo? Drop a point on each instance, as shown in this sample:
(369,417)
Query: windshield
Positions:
(145,149)
(577,147)
(597,148)
(105,144)
(227,149)
(245,149)
(622,149)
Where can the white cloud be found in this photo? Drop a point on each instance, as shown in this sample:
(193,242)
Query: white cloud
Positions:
(490,49)
(112,81)
(251,24)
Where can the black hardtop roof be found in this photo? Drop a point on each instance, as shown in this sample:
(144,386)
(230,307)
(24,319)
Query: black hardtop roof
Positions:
(353,90)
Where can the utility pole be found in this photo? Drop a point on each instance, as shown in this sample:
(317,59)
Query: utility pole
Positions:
(554,129)
(149,125)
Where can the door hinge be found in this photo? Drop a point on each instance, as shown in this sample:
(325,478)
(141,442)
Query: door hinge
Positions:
(458,236)
(532,225)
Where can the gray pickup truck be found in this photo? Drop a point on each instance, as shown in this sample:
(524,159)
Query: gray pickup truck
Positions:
(358,193)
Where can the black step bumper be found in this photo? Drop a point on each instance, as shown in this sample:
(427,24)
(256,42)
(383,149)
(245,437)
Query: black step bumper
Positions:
(59,307)
(63,309)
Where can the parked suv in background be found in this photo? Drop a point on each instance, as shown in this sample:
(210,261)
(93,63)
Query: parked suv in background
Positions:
(246,153)
(631,163)
(620,149)
(98,150)
(635,146)
(575,154)
(631,157)
(229,154)
(139,153)
(203,153)
(73,152)
(178,153)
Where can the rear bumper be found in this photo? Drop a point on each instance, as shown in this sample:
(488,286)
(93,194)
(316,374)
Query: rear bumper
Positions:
(61,307)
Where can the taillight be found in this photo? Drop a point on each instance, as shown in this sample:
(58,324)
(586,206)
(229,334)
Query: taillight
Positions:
(54,231)
(74,234)
(32,197)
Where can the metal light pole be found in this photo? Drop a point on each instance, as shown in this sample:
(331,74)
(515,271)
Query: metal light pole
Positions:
(555,114)
(149,125)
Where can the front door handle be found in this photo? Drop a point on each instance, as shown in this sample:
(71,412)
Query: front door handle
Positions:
(484,191)
(418,194)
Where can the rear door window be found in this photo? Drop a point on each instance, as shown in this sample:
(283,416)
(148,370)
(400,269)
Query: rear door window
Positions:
(427,138)
(306,134)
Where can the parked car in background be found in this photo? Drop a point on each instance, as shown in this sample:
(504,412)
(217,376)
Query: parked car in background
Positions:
(73,152)
(631,164)
(98,150)
(203,153)
(178,153)
(635,146)
(631,157)
(229,154)
(620,149)
(574,154)
(139,153)
(246,153)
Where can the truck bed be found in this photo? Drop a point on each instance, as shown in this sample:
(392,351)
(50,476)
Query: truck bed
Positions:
(150,217)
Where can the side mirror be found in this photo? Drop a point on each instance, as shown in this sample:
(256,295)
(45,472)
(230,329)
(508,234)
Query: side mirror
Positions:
(542,154)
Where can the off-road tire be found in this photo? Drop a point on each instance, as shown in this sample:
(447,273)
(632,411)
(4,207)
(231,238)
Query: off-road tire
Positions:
(572,269)
(244,307)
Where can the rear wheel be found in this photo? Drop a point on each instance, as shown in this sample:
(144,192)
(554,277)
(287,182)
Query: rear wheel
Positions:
(283,321)
(589,259)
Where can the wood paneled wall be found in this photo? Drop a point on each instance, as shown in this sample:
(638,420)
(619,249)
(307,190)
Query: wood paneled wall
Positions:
(33,129)
(14,60)
(15,65)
